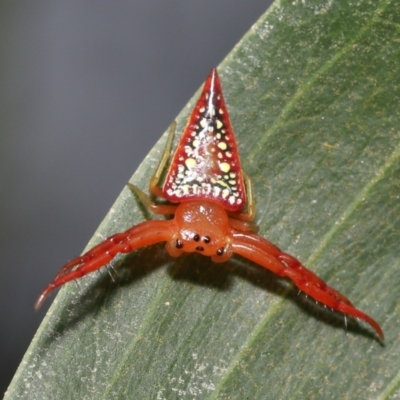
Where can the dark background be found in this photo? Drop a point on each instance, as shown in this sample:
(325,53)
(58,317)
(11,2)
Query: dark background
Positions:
(86,89)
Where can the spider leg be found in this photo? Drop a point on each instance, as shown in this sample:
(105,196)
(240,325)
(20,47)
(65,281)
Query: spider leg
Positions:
(166,209)
(144,234)
(249,213)
(154,189)
(109,269)
(102,248)
(266,254)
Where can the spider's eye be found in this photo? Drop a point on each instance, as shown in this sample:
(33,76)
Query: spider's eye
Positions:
(206,239)
(200,248)
(179,244)
(196,237)
(220,251)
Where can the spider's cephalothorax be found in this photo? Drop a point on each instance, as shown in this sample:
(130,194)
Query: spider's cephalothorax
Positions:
(210,199)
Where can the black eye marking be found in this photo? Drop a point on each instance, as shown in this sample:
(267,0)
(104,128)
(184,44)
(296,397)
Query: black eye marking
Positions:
(179,244)
(196,237)
(206,239)
(200,248)
(220,251)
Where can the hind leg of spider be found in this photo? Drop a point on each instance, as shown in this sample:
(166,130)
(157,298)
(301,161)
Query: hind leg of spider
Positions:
(249,212)
(166,209)
(242,220)
(154,189)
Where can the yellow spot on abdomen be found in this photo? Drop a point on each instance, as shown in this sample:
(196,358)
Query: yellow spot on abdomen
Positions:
(224,167)
(190,163)
(222,145)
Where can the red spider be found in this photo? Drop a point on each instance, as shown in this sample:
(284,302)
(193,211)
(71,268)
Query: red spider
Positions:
(212,206)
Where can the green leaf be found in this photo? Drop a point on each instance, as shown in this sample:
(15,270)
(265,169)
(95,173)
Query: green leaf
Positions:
(313,91)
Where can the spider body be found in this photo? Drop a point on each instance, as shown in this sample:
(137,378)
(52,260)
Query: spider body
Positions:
(211,201)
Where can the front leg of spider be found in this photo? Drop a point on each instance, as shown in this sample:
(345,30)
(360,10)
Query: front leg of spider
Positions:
(210,209)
